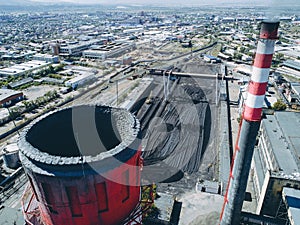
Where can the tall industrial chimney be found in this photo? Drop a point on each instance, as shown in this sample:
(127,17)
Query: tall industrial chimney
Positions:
(83,165)
(234,197)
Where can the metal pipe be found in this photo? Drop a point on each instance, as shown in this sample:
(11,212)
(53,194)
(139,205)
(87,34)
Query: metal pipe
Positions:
(234,197)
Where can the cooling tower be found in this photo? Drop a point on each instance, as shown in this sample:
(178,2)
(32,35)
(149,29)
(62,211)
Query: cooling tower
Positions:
(83,164)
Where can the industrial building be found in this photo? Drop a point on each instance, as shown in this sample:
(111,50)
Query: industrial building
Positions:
(90,174)
(293,95)
(291,68)
(276,162)
(4,115)
(55,47)
(77,48)
(291,200)
(23,68)
(108,51)
(224,56)
(210,58)
(295,65)
(13,55)
(19,83)
(296,90)
(50,80)
(127,60)
(79,80)
(46,58)
(9,97)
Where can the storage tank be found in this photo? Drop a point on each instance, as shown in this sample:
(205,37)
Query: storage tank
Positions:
(83,165)
(11,156)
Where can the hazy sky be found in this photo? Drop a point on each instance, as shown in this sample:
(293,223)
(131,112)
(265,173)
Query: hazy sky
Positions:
(182,2)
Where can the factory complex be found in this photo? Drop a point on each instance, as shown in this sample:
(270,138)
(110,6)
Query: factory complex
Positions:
(129,116)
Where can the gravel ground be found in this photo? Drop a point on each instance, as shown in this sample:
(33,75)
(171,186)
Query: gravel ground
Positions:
(37,91)
(200,208)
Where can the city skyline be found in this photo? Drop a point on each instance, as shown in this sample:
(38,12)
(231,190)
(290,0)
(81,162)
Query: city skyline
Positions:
(169,2)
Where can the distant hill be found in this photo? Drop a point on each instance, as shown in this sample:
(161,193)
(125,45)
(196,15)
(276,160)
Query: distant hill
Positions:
(25,3)
(15,2)
(270,4)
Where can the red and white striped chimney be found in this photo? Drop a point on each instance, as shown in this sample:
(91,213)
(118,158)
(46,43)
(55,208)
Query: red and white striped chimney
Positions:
(235,193)
(261,69)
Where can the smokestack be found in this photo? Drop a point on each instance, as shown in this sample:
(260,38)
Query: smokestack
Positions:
(234,197)
(74,178)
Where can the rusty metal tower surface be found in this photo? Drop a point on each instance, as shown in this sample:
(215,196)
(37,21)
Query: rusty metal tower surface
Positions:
(235,193)
(83,164)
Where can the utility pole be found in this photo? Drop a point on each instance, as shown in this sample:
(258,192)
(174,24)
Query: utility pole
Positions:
(117,90)
(13,120)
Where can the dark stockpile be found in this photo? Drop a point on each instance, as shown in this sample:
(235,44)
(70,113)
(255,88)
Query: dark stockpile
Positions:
(178,138)
(174,140)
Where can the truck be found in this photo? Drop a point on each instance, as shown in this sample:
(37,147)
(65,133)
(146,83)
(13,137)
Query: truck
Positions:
(149,100)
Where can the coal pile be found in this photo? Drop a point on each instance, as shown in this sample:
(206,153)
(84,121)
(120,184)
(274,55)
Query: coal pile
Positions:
(174,141)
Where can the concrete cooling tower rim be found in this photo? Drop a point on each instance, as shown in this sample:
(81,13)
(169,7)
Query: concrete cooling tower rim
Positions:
(127,126)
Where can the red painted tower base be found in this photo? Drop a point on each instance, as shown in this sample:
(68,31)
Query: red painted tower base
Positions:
(77,177)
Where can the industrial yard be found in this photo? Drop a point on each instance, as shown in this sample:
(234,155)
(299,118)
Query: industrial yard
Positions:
(166,124)
(126,115)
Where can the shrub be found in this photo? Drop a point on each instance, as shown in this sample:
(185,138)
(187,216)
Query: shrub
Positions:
(279,105)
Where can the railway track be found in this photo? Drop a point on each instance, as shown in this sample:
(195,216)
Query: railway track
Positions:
(12,184)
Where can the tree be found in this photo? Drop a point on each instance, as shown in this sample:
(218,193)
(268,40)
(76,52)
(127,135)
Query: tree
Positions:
(279,105)
(60,67)
(237,56)
(242,49)
(51,69)
(279,56)
(29,105)
(14,112)
(10,78)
